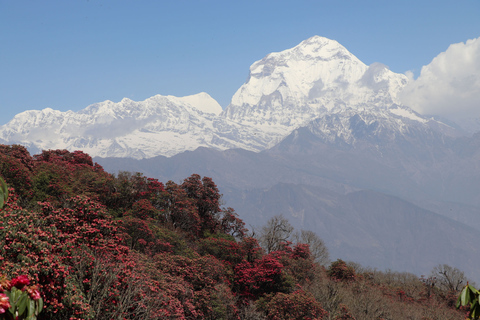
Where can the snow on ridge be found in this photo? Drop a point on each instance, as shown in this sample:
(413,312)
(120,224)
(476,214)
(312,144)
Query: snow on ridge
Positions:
(202,101)
(126,128)
(409,114)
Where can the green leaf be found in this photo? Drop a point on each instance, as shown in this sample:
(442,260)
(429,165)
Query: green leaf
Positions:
(459,301)
(3,192)
(475,291)
(22,303)
(16,294)
(464,296)
(31,307)
(39,307)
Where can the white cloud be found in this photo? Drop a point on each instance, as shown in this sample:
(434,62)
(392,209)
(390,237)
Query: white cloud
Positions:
(449,86)
(409,75)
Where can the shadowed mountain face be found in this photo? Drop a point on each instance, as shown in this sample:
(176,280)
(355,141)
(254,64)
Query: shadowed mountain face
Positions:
(368,227)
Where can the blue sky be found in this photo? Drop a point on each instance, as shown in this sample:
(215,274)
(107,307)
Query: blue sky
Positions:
(66,55)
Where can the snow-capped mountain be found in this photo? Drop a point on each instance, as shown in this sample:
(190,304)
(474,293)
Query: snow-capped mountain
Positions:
(288,89)
(285,91)
(159,125)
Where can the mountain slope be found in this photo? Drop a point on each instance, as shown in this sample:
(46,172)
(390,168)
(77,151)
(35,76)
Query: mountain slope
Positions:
(367,227)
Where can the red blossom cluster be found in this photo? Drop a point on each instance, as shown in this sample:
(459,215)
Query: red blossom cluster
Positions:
(4,303)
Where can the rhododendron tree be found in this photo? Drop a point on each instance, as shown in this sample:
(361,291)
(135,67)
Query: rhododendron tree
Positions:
(16,175)
(224,249)
(192,288)
(253,280)
(298,262)
(179,210)
(340,271)
(20,153)
(205,196)
(139,236)
(62,174)
(298,305)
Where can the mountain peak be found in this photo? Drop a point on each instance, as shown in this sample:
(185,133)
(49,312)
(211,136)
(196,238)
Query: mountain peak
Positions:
(203,102)
(320,46)
(290,88)
(316,47)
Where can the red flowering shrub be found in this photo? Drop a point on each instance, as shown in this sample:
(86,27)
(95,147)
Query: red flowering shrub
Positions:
(298,262)
(17,166)
(179,210)
(178,239)
(224,249)
(45,245)
(139,236)
(143,209)
(231,224)
(340,271)
(64,156)
(127,188)
(4,303)
(17,175)
(205,196)
(20,153)
(251,249)
(252,280)
(191,287)
(61,174)
(298,305)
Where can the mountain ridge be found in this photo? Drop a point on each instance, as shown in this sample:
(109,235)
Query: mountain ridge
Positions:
(285,90)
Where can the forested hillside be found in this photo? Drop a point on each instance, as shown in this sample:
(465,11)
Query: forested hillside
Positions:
(125,246)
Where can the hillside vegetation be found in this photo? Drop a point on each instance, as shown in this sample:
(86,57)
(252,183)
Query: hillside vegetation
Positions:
(103,246)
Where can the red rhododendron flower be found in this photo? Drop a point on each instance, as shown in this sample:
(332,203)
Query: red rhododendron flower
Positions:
(4,303)
(20,282)
(4,284)
(33,293)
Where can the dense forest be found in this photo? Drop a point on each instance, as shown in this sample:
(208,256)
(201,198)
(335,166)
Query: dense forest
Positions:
(94,245)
